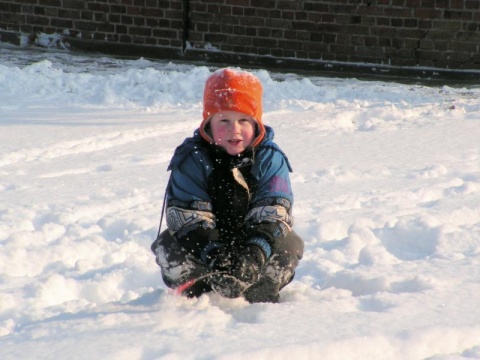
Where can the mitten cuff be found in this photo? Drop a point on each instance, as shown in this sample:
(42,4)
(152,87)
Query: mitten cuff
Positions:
(262,244)
(211,246)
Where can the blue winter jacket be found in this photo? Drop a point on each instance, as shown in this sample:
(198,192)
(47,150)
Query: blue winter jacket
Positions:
(214,198)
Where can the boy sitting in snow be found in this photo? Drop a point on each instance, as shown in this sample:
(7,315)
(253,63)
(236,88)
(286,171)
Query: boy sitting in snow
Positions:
(229,201)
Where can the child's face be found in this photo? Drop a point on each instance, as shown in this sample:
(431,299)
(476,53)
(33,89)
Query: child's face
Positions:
(232,130)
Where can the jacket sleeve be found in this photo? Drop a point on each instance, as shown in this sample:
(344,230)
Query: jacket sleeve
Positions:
(190,219)
(270,215)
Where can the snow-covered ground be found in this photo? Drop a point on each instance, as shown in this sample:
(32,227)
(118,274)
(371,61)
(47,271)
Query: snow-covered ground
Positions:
(387,187)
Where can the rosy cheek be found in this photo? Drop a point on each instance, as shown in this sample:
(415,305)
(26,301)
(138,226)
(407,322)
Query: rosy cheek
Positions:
(220,134)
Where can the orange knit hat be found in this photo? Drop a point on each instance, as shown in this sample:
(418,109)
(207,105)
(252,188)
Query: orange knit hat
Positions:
(230,90)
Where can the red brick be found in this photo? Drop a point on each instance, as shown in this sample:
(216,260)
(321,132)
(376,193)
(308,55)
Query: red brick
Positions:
(121,29)
(225,10)
(457,4)
(134,10)
(98,7)
(472,4)
(428,14)
(74,4)
(62,23)
(458,15)
(139,31)
(55,3)
(105,27)
(238,2)
(237,11)
(287,4)
(316,7)
(85,25)
(428,3)
(14,18)
(413,3)
(69,14)
(127,20)
(139,21)
(153,12)
(442,4)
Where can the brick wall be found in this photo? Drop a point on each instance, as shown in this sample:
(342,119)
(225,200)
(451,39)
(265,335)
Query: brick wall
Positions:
(443,34)
(141,22)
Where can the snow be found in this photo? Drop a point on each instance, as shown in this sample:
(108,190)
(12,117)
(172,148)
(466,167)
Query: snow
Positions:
(387,198)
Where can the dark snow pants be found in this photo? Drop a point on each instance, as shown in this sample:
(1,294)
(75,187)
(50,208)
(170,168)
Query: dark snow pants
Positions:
(179,266)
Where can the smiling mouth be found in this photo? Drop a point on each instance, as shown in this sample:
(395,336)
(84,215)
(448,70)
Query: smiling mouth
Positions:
(234,142)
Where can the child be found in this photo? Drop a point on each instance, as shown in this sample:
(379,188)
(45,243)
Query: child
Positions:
(229,201)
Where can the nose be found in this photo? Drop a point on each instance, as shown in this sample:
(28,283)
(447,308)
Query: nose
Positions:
(235,126)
